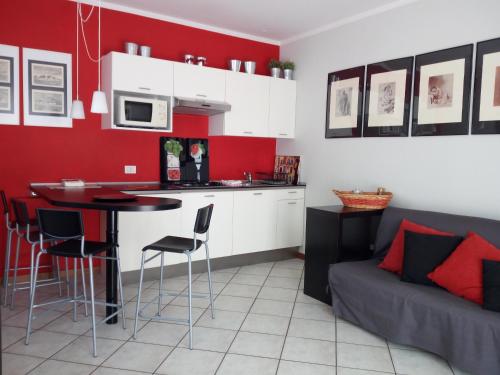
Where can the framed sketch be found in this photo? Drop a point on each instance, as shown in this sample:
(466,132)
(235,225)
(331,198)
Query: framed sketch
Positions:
(387,96)
(486,109)
(9,85)
(442,87)
(344,104)
(47,88)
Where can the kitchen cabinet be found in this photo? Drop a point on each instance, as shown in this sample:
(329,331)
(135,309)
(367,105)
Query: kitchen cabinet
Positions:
(254,221)
(221,226)
(199,82)
(248,95)
(290,221)
(139,74)
(282,97)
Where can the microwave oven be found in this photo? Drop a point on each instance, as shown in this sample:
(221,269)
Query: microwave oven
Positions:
(136,110)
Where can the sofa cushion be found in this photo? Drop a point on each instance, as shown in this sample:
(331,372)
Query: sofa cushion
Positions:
(423,253)
(393,261)
(425,317)
(491,285)
(462,272)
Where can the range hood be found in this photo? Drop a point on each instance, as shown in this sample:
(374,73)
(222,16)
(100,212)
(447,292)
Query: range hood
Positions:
(200,106)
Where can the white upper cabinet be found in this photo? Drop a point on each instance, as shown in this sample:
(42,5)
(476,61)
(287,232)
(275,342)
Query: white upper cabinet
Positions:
(248,95)
(282,97)
(139,74)
(199,82)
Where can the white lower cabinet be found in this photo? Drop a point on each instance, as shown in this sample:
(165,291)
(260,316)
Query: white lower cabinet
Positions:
(243,221)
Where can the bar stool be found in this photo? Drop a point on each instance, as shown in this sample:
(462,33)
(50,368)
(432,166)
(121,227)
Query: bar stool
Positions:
(67,226)
(26,229)
(179,245)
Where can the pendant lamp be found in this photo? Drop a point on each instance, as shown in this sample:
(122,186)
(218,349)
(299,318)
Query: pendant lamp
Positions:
(77,111)
(99,103)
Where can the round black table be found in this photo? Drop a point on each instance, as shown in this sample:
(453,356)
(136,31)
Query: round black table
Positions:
(84,198)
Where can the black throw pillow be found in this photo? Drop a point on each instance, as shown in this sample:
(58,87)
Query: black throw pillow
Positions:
(423,253)
(491,285)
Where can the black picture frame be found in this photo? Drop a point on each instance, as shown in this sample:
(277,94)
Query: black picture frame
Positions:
(9,85)
(386,67)
(357,72)
(449,128)
(42,88)
(485,126)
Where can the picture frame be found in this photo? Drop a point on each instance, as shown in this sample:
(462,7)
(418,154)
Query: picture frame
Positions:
(388,98)
(344,105)
(9,85)
(441,95)
(47,89)
(486,105)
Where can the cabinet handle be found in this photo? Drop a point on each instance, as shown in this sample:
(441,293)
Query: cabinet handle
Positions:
(144,88)
(292,202)
(209,196)
(283,133)
(247,132)
(292,192)
(257,193)
(201,95)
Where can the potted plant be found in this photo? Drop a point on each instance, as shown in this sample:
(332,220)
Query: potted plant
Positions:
(288,68)
(275,68)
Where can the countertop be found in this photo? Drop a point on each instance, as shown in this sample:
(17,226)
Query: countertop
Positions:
(158,188)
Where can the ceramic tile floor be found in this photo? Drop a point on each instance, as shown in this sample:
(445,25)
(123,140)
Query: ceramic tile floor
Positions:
(264,325)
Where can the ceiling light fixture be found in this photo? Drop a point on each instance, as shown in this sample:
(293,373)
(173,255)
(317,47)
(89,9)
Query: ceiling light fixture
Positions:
(77,111)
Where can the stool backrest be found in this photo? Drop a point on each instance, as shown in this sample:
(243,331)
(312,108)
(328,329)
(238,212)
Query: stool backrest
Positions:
(203,218)
(5,205)
(21,215)
(60,224)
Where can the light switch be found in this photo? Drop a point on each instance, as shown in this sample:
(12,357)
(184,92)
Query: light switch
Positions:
(130,169)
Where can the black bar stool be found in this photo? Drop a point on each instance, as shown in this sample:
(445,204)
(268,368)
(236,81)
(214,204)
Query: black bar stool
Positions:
(67,227)
(27,229)
(179,245)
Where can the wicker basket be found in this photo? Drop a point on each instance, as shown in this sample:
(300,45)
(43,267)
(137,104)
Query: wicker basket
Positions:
(364,200)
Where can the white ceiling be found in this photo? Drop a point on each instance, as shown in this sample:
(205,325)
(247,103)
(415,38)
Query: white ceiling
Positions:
(274,21)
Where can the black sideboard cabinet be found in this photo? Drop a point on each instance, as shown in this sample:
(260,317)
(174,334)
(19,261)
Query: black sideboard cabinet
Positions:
(335,234)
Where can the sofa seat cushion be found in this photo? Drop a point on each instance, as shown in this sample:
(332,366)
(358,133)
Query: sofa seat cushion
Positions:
(422,316)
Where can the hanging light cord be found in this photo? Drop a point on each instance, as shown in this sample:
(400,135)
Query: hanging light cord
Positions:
(99,51)
(82,22)
(77,49)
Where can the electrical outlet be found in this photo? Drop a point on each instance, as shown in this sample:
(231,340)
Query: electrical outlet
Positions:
(130,169)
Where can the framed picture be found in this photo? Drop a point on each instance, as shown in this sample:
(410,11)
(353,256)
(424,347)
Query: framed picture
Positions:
(442,87)
(344,104)
(47,88)
(387,96)
(486,109)
(9,85)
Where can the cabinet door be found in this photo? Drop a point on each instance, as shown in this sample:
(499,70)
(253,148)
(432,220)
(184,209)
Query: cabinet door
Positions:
(254,221)
(282,96)
(142,74)
(221,226)
(138,229)
(199,82)
(289,228)
(248,95)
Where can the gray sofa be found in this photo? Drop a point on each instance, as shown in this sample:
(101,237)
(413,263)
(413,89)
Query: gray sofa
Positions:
(426,317)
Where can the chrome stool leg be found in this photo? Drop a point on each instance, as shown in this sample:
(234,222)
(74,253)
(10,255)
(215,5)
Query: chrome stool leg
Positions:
(14,279)
(32,298)
(7,266)
(190,301)
(92,304)
(160,285)
(120,285)
(210,282)
(75,287)
(138,304)
(68,283)
(58,274)
(84,287)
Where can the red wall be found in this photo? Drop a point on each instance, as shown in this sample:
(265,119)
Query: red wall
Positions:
(34,154)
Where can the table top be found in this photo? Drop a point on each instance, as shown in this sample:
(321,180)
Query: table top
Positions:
(84,198)
(349,211)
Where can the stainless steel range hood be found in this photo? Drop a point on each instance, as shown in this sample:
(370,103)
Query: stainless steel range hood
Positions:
(200,106)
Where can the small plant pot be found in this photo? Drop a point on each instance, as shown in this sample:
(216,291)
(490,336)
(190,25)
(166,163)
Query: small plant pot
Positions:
(276,72)
(288,73)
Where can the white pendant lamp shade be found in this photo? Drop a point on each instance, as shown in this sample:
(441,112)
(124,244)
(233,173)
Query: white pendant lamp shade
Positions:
(77,111)
(99,103)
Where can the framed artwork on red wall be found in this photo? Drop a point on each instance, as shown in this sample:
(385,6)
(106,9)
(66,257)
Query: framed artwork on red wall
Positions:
(486,109)
(9,85)
(344,105)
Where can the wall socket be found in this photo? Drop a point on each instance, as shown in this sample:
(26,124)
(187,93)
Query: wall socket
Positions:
(130,169)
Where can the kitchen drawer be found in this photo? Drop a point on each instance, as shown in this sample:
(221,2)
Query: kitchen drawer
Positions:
(293,193)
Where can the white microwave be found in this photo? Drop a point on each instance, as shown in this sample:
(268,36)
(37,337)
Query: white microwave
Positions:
(136,110)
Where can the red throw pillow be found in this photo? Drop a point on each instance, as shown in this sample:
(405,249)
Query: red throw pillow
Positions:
(462,273)
(393,261)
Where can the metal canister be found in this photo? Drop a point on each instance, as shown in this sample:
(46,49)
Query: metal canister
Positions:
(189,59)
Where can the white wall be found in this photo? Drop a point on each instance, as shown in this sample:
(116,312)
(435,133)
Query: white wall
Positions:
(457,174)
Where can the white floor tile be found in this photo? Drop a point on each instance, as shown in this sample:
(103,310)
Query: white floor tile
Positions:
(138,357)
(80,350)
(232,303)
(42,344)
(278,294)
(412,362)
(14,364)
(116,331)
(217,340)
(294,263)
(298,368)
(257,344)
(65,324)
(274,325)
(234,364)
(191,362)
(241,278)
(115,371)
(349,333)
(354,371)
(364,357)
(240,290)
(270,307)
(286,272)
(311,351)
(162,333)
(282,282)
(223,319)
(51,367)
(312,329)
(256,269)
(11,334)
(313,311)
(303,298)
